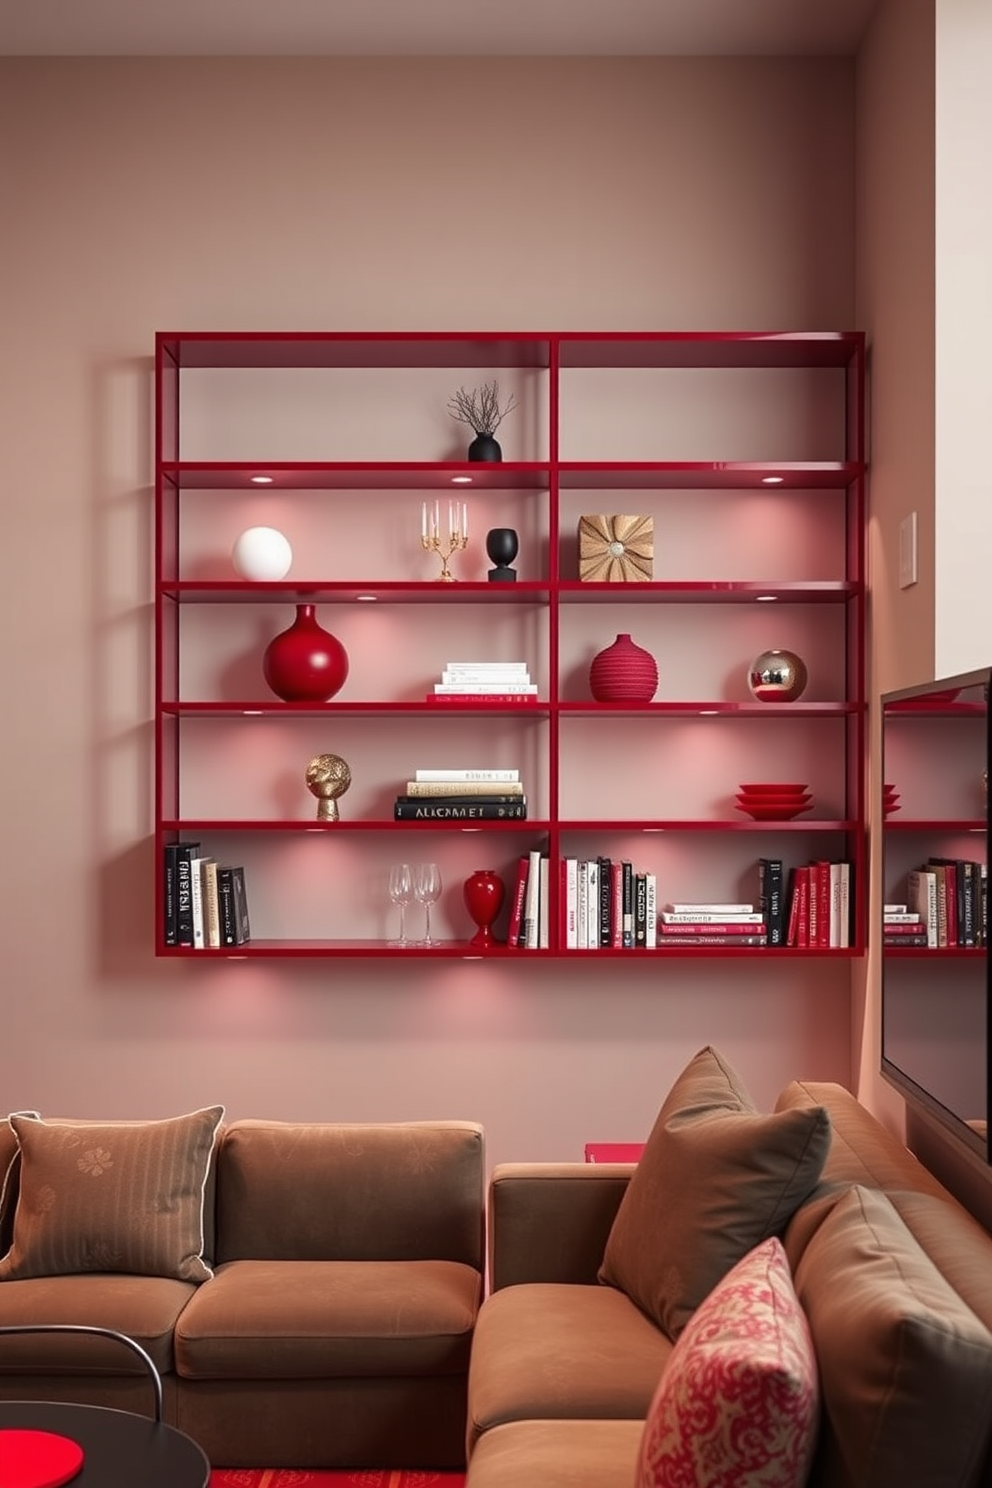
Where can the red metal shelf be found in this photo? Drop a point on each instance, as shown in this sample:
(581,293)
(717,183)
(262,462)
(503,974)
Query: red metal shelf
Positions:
(547,480)
(315,475)
(301,591)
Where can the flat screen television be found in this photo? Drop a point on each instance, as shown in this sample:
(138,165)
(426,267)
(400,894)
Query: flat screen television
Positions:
(935,979)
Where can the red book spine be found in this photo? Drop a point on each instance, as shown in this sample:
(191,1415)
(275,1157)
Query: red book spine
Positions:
(798,932)
(481,700)
(822,904)
(711,927)
(805,911)
(517,903)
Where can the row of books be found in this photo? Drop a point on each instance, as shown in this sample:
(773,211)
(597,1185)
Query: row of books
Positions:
(484,681)
(606,904)
(817,905)
(206,902)
(462,795)
(949,898)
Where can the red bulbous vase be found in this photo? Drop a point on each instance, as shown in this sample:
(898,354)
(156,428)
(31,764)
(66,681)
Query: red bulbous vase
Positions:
(623,673)
(484,893)
(305,664)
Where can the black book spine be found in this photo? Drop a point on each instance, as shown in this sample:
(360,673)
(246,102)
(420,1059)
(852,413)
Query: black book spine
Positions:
(640,910)
(171,922)
(184,892)
(771,885)
(628,905)
(448,811)
(225,900)
(466,800)
(242,925)
(605,901)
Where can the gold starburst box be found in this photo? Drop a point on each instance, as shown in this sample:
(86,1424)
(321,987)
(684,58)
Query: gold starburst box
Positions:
(616,549)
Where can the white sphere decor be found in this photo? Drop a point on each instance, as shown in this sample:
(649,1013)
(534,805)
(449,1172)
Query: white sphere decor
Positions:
(262,553)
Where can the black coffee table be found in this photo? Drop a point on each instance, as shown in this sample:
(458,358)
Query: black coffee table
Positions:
(121,1450)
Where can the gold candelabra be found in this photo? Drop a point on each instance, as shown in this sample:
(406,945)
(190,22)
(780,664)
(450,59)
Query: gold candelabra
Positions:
(456,539)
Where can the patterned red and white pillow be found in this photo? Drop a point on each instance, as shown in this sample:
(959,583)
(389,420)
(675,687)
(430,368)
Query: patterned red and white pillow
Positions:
(738,1404)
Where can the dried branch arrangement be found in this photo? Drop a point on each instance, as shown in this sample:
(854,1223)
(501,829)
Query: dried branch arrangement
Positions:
(480,408)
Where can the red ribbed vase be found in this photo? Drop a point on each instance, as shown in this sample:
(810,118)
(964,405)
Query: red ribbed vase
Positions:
(623,673)
(484,893)
(305,664)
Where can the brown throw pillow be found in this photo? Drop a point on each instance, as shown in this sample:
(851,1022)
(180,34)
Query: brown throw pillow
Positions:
(122,1196)
(715,1179)
(905,1365)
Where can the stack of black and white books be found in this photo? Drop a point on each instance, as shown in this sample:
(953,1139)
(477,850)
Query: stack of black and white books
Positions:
(206,902)
(465,794)
(484,682)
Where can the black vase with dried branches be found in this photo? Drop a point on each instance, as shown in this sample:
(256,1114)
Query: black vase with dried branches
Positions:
(482,411)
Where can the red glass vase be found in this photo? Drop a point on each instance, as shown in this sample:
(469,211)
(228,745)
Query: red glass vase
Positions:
(305,664)
(623,673)
(484,893)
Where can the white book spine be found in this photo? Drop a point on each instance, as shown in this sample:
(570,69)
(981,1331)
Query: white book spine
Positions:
(893,917)
(581,906)
(895,909)
(733,911)
(922,895)
(427,788)
(491,678)
(834,923)
(571,904)
(747,917)
(544,906)
(473,689)
(429,775)
(592,905)
(501,668)
(196,902)
(845,904)
(651,911)
(532,901)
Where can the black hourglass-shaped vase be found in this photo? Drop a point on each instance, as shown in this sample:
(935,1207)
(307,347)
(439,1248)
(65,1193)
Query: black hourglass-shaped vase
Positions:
(502,547)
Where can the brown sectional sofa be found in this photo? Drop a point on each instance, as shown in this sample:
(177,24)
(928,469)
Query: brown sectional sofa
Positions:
(348,1264)
(343,1324)
(564,1368)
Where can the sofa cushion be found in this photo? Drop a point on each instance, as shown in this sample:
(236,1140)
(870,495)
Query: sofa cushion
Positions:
(351,1191)
(715,1179)
(558,1351)
(329,1319)
(905,1365)
(121,1196)
(146,1308)
(9,1164)
(556,1454)
(739,1400)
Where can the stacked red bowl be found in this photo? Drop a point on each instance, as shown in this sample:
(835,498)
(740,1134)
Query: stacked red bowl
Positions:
(773,800)
(890,799)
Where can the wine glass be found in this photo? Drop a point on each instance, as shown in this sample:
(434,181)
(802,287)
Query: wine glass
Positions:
(401,893)
(427,891)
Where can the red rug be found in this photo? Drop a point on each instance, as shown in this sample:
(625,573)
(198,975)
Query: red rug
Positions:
(354,1477)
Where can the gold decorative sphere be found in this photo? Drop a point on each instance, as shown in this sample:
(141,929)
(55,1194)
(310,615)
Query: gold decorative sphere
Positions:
(328,776)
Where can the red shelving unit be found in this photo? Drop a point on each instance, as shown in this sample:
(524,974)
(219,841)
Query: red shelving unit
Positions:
(747,450)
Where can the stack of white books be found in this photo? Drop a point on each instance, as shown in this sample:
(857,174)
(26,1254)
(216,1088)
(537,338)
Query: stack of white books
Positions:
(504,681)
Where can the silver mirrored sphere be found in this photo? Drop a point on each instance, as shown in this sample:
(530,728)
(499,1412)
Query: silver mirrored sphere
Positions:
(777,677)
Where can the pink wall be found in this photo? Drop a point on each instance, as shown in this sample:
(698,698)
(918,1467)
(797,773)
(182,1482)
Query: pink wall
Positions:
(372,194)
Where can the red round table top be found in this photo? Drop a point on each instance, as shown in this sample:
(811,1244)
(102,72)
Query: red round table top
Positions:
(37,1459)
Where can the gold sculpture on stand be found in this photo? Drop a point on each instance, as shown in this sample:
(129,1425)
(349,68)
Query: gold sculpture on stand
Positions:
(456,540)
(328,777)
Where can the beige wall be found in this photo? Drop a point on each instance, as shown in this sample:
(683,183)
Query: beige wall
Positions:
(895,272)
(963,247)
(523,195)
